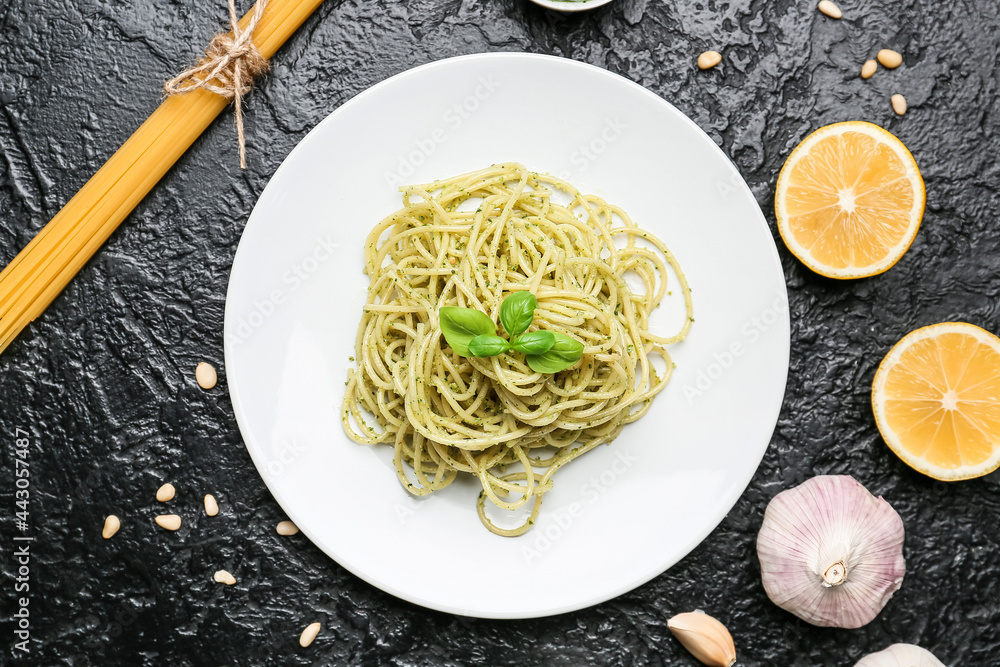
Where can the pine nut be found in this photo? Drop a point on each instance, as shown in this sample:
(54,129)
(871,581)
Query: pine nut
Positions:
(889,58)
(165,492)
(224,577)
(169,521)
(211,505)
(709,59)
(868,69)
(309,634)
(899,104)
(111,526)
(830,9)
(205,375)
(287,528)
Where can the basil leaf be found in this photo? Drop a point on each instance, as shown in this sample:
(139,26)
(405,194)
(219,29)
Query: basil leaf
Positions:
(534,342)
(488,346)
(517,311)
(565,352)
(461,325)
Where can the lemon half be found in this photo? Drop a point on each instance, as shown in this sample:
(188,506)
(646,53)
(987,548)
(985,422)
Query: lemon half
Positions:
(849,200)
(936,398)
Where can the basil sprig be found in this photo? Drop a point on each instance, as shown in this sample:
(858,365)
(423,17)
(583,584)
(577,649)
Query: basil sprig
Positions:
(517,311)
(471,333)
(488,346)
(563,353)
(461,325)
(535,342)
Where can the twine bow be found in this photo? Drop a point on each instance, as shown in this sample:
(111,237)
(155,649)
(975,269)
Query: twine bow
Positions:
(228,68)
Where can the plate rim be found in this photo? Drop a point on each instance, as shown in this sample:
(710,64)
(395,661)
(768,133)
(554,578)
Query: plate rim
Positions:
(229,322)
(568,7)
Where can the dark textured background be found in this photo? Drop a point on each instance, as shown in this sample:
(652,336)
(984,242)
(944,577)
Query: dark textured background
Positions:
(104,380)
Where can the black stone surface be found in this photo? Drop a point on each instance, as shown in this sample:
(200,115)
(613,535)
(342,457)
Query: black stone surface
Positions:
(104,380)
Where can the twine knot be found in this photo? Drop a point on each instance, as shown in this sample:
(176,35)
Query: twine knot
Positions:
(228,68)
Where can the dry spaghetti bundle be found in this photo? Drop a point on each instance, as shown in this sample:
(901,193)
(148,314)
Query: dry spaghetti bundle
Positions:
(46,265)
(469,241)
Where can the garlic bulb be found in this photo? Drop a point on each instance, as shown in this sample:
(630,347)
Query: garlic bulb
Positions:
(901,655)
(706,638)
(830,552)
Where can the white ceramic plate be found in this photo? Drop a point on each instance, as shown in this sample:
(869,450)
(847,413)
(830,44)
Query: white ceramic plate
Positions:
(571,5)
(620,515)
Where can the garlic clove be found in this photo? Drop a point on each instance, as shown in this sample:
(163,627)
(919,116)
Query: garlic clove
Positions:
(830,552)
(706,638)
(901,655)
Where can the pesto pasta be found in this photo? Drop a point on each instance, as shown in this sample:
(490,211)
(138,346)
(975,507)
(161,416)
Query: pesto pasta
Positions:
(470,241)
